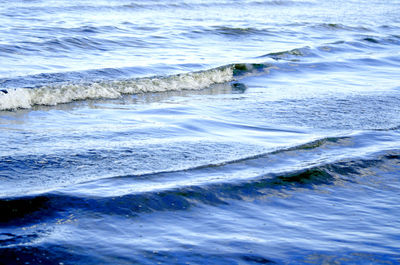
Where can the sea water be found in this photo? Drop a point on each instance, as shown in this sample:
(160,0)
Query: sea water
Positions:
(200,132)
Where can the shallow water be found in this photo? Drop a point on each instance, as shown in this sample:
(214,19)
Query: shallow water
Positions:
(200,132)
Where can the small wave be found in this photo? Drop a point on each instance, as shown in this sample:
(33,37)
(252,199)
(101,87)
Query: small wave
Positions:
(213,4)
(338,26)
(282,2)
(237,31)
(62,44)
(24,210)
(358,45)
(395,128)
(31,209)
(291,54)
(65,93)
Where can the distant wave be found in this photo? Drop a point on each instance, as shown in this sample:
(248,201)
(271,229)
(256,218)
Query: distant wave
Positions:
(143,5)
(185,4)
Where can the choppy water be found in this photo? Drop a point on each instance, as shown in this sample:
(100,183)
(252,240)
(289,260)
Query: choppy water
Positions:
(200,132)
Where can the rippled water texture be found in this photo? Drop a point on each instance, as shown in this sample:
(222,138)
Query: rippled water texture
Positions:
(200,132)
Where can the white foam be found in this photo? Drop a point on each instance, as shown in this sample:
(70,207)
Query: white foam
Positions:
(15,98)
(56,94)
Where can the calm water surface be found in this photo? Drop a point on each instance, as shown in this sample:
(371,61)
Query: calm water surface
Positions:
(200,132)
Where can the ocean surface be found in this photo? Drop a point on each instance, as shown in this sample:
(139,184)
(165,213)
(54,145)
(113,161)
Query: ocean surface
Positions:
(200,132)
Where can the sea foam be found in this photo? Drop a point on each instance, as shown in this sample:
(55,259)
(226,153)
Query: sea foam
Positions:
(68,92)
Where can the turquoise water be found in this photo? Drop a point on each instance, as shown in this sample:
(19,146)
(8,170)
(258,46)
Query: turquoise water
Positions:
(200,132)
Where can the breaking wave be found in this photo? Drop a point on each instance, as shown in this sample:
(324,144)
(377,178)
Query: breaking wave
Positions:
(11,99)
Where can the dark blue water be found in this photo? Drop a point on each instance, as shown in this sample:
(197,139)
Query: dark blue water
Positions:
(200,132)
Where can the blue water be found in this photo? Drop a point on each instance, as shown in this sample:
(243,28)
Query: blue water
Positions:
(200,132)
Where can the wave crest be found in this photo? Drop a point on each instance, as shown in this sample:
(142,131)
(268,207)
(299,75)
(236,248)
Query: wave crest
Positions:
(65,93)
